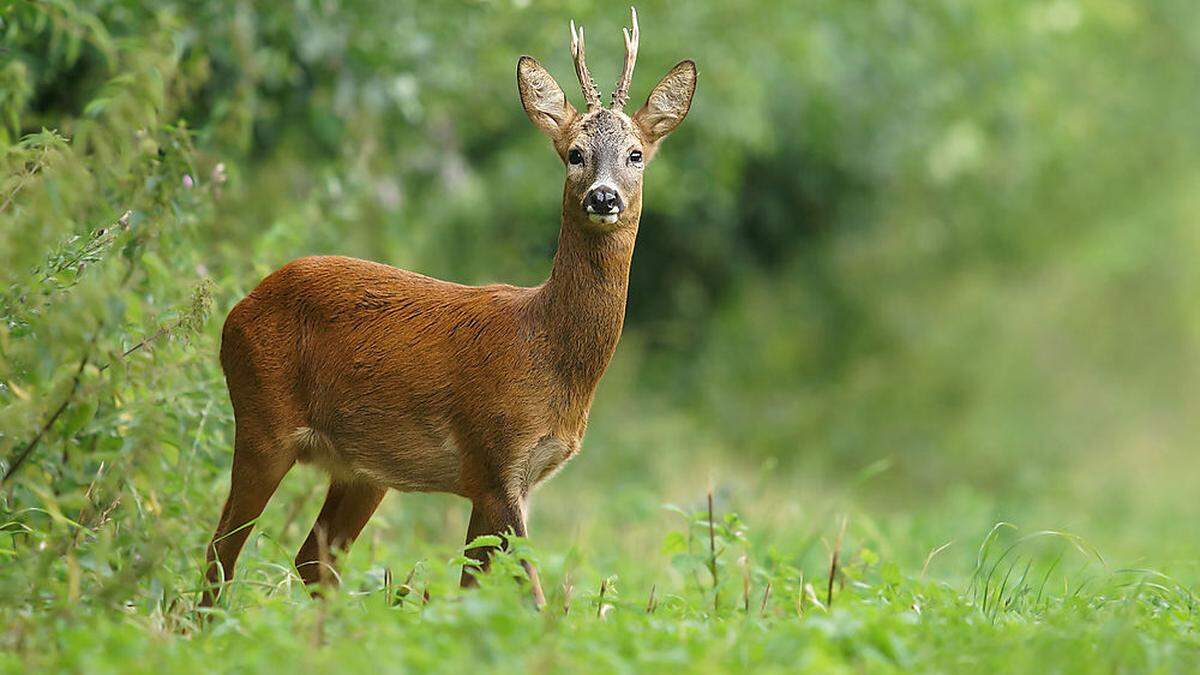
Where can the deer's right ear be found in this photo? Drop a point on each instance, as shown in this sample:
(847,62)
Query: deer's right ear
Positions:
(544,101)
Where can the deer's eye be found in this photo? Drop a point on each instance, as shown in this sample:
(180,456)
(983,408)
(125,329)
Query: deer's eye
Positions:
(636,156)
(575,156)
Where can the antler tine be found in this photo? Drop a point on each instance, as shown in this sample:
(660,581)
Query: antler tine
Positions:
(590,94)
(621,94)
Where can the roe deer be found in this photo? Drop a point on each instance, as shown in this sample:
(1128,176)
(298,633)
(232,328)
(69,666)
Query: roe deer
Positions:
(390,379)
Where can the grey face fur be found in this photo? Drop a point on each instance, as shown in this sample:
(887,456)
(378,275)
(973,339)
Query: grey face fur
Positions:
(604,150)
(604,165)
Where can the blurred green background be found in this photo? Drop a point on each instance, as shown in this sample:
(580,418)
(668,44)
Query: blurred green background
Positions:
(930,263)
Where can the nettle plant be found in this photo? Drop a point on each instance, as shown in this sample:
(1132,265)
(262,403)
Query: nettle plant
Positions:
(99,218)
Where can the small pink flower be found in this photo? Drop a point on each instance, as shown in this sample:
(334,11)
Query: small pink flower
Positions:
(188,183)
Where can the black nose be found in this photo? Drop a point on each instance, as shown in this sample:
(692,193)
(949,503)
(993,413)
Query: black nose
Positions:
(603,200)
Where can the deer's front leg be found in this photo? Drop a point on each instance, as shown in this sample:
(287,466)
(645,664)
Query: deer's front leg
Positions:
(498,515)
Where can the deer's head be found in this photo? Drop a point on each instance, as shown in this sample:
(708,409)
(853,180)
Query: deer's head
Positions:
(605,151)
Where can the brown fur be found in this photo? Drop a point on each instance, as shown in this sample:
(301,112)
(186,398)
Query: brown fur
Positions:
(390,379)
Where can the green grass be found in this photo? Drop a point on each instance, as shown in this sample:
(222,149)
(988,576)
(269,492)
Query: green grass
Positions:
(930,589)
(1003,601)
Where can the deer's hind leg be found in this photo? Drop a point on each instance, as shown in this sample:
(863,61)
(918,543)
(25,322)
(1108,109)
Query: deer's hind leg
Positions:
(348,507)
(260,462)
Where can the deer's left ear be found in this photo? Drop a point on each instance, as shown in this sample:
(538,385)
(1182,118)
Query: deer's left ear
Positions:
(544,101)
(668,102)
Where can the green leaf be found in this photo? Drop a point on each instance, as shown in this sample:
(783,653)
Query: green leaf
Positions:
(485,540)
(79,415)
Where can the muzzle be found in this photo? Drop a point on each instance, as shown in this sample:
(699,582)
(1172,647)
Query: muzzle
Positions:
(603,204)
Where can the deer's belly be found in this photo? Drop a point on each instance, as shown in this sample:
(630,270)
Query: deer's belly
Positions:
(412,462)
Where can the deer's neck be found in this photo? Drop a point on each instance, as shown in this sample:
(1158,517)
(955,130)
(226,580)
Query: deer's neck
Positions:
(582,305)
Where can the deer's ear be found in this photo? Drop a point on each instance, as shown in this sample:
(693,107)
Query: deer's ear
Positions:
(668,102)
(544,101)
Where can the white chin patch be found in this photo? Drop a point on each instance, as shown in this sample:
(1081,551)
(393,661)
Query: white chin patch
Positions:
(607,219)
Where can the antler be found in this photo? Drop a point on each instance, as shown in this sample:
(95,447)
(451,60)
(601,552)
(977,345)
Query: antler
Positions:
(590,93)
(621,94)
